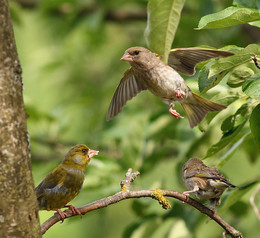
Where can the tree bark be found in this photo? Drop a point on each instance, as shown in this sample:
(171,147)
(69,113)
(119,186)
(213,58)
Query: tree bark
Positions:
(18,204)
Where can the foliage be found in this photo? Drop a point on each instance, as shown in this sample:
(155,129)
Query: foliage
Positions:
(162,22)
(70,52)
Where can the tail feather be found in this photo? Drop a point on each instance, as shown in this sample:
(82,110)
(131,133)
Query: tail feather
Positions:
(229,184)
(198,108)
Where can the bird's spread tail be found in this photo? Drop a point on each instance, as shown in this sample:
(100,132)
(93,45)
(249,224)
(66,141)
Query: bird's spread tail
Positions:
(198,109)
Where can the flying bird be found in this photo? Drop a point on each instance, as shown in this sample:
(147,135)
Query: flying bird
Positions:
(148,72)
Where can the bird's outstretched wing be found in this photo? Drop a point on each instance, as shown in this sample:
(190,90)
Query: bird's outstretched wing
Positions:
(129,86)
(184,60)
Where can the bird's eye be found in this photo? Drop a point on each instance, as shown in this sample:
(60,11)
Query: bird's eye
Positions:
(136,52)
(84,150)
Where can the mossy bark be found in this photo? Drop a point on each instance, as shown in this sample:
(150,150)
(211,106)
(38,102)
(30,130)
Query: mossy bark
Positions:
(18,205)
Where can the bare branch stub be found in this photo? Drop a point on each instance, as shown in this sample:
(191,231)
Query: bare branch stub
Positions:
(129,178)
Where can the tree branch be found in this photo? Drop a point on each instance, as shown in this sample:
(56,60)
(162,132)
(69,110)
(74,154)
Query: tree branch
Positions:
(156,194)
(18,204)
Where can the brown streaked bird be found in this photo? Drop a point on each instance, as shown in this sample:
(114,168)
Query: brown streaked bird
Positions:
(206,183)
(148,72)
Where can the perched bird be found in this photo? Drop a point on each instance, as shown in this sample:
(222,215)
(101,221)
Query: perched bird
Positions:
(149,72)
(63,183)
(206,183)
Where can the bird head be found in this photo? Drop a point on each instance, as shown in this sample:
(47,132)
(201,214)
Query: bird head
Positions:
(190,165)
(139,57)
(79,156)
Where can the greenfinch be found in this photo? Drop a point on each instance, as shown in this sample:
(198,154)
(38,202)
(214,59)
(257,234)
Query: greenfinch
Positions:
(63,183)
(148,72)
(206,183)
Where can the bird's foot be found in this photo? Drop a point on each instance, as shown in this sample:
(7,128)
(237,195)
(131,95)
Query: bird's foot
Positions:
(216,205)
(175,113)
(74,210)
(62,214)
(187,194)
(178,93)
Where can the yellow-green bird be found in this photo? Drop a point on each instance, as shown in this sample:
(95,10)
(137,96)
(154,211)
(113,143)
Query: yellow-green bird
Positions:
(148,72)
(63,184)
(206,183)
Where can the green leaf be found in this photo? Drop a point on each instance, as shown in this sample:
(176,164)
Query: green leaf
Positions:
(205,82)
(241,56)
(243,111)
(238,75)
(247,3)
(255,124)
(251,87)
(225,140)
(231,151)
(227,100)
(163,20)
(237,194)
(229,17)
(250,149)
(228,123)
(255,23)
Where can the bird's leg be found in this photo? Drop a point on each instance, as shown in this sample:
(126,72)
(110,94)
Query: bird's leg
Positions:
(217,204)
(178,93)
(74,210)
(174,112)
(61,213)
(194,190)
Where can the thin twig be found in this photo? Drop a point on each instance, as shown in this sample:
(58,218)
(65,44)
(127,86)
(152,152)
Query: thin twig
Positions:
(252,201)
(156,194)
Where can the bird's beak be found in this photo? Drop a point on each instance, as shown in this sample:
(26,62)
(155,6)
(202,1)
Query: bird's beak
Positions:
(127,57)
(92,153)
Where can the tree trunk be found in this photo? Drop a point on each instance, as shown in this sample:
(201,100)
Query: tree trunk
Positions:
(18,205)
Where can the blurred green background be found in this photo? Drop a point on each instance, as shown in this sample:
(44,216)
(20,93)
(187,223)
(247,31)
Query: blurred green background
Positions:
(69,51)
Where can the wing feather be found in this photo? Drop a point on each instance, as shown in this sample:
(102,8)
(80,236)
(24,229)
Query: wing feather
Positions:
(129,86)
(184,60)
(53,179)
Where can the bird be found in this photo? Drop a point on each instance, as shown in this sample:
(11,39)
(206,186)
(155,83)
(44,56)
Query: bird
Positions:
(206,183)
(64,183)
(148,72)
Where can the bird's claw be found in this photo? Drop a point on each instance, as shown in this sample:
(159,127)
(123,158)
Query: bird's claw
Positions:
(175,113)
(187,194)
(62,214)
(74,210)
